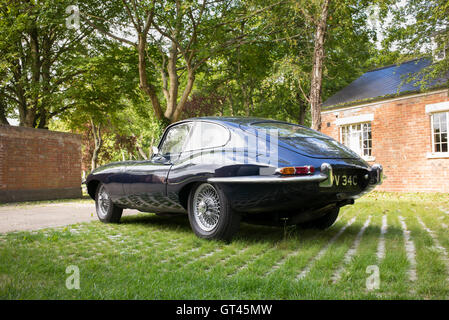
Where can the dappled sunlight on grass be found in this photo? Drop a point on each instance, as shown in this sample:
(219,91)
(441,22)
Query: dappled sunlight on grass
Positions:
(152,257)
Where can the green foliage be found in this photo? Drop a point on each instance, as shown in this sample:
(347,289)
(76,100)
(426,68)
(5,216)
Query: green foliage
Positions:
(249,58)
(420,29)
(40,57)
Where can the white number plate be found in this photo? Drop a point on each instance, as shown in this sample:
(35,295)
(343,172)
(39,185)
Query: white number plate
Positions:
(345,180)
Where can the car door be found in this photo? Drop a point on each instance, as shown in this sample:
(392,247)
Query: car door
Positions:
(145,184)
(201,156)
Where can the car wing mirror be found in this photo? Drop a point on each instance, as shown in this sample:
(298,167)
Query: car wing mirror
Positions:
(155,150)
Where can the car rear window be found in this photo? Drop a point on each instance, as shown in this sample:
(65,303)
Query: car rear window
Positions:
(287,130)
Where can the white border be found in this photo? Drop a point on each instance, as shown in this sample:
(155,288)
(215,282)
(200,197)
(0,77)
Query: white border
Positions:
(437,155)
(369,117)
(437,107)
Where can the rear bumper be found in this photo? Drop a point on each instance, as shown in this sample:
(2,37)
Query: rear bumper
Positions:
(325,178)
(268,179)
(376,175)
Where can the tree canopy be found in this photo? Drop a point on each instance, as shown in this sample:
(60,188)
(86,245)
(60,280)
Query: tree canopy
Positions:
(127,68)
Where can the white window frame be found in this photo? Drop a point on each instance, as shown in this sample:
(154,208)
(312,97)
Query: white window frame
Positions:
(432,109)
(348,122)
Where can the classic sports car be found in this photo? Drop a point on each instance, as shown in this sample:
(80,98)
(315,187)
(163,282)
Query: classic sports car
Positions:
(224,170)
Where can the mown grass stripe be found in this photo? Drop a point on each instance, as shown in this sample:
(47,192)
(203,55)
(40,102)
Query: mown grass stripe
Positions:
(381,243)
(351,252)
(309,266)
(205,256)
(246,265)
(185,254)
(281,262)
(437,243)
(224,260)
(410,250)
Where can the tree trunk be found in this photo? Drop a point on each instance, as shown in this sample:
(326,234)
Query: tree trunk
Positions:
(3,119)
(317,69)
(31,114)
(302,109)
(174,82)
(189,86)
(98,141)
(145,86)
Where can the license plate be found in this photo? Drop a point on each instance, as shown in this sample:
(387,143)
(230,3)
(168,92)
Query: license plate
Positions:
(345,180)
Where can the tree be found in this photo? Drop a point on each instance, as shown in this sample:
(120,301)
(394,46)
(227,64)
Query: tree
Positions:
(39,58)
(176,38)
(421,29)
(101,92)
(317,69)
(331,20)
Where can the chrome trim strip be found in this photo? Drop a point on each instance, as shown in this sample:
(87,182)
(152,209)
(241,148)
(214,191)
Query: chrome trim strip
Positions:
(326,169)
(377,174)
(267,179)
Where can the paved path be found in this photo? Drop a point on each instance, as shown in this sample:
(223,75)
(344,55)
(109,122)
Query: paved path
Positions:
(39,216)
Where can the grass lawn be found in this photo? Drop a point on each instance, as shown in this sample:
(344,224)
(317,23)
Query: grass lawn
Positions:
(151,257)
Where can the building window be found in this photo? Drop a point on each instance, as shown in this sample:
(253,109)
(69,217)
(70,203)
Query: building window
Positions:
(358,138)
(440,124)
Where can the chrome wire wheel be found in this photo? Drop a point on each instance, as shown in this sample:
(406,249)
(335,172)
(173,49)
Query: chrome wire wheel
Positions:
(206,207)
(103,202)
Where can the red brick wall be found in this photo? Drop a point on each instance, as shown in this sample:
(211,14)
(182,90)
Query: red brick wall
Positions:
(401,136)
(38,164)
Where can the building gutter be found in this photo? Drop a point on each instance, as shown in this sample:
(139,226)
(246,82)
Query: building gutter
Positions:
(379,102)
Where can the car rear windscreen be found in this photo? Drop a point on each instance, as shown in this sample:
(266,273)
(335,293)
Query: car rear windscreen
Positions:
(307,141)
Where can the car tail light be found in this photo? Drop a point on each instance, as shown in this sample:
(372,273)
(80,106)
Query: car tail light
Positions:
(304,170)
(299,171)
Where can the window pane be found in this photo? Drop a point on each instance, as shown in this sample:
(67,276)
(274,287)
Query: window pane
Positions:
(207,135)
(174,141)
(444,137)
(444,147)
(358,138)
(443,123)
(437,138)
(437,148)
(365,135)
(436,123)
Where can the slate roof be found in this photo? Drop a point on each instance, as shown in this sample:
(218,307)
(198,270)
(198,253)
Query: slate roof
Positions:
(382,82)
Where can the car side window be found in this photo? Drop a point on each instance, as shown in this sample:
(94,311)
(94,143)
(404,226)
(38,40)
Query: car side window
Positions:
(174,141)
(206,135)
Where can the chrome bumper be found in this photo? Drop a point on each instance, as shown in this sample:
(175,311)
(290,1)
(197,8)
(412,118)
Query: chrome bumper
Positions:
(325,178)
(268,179)
(376,175)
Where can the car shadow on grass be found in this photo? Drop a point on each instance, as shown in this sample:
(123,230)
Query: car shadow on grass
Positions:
(248,233)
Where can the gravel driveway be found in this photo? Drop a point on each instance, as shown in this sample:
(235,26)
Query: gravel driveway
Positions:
(39,216)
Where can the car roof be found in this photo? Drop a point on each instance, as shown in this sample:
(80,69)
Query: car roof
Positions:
(245,121)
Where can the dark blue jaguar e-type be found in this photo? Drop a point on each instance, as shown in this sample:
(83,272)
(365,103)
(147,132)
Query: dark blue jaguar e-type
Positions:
(225,170)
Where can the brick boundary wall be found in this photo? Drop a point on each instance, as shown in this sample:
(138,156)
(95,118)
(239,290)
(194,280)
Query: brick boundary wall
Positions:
(37,164)
(401,137)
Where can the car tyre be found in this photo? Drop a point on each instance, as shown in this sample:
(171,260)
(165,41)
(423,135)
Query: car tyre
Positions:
(323,222)
(210,213)
(107,211)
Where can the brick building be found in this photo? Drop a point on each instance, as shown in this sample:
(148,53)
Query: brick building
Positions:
(393,123)
(38,164)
